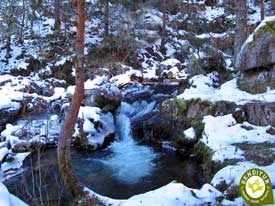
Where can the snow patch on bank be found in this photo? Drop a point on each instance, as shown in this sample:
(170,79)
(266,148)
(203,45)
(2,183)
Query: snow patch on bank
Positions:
(173,194)
(205,87)
(232,174)
(223,131)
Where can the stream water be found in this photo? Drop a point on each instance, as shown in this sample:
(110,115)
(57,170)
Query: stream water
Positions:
(123,169)
(127,168)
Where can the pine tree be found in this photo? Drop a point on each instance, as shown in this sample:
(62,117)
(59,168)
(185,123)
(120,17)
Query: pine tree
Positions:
(64,154)
(241,26)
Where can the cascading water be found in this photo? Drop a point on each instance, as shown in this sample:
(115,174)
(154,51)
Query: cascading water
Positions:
(126,168)
(129,162)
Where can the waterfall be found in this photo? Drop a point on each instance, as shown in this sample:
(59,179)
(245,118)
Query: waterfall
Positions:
(129,161)
(123,128)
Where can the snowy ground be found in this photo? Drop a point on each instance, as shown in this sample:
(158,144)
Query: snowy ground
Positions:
(220,133)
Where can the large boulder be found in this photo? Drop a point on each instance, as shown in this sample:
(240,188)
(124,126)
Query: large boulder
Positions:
(259,49)
(257,81)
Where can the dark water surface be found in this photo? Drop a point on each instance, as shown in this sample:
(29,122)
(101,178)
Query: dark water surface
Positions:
(96,172)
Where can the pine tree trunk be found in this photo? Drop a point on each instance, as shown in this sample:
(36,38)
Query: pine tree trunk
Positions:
(21,34)
(8,47)
(57,21)
(273,5)
(64,154)
(241,26)
(106,18)
(164,23)
(262,10)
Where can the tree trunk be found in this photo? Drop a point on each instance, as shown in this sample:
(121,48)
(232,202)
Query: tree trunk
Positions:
(8,47)
(21,34)
(262,10)
(164,23)
(241,26)
(64,154)
(106,18)
(273,5)
(57,21)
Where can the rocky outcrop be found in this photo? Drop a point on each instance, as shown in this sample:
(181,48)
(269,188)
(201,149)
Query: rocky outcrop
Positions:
(107,97)
(258,81)
(259,49)
(261,114)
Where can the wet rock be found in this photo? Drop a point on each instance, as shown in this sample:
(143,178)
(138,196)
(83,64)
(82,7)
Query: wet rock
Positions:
(107,97)
(260,51)
(135,94)
(21,147)
(3,153)
(42,129)
(157,128)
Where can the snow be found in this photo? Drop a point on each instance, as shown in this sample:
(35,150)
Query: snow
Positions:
(7,199)
(10,129)
(213,35)
(3,152)
(170,62)
(16,163)
(252,36)
(172,194)
(223,131)
(204,87)
(190,133)
(232,174)
(91,115)
(212,13)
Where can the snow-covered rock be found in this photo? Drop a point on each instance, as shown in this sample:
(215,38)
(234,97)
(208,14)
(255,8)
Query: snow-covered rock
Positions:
(96,128)
(232,174)
(220,133)
(169,68)
(259,49)
(173,194)
(190,133)
(103,94)
(205,87)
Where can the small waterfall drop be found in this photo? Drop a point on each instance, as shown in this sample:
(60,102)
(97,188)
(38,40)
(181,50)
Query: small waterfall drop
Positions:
(129,161)
(123,128)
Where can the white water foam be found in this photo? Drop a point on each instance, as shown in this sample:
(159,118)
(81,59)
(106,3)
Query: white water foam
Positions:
(129,162)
